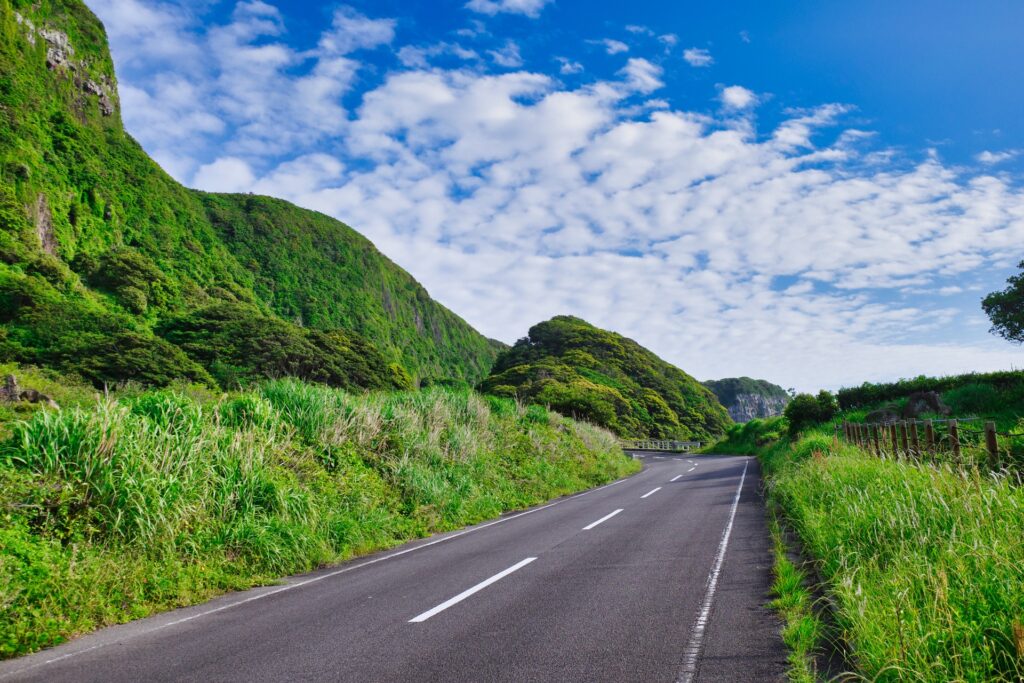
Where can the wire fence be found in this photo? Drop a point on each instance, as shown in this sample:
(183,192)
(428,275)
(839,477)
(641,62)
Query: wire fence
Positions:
(969,441)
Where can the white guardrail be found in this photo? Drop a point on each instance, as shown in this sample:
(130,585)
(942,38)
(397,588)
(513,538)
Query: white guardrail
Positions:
(660,445)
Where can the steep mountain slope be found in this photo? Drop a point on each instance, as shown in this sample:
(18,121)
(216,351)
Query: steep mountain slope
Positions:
(99,247)
(747,399)
(590,373)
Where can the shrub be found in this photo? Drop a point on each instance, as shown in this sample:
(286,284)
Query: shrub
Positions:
(806,411)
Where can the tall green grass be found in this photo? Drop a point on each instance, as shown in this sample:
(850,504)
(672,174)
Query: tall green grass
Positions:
(924,563)
(115,510)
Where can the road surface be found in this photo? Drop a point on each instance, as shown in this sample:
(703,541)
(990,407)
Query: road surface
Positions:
(659,577)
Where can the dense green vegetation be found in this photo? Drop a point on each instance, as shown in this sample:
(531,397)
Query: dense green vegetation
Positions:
(922,561)
(727,390)
(869,394)
(605,378)
(115,508)
(101,252)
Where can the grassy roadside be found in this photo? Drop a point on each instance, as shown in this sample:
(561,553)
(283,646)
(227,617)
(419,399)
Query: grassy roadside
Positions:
(924,563)
(114,509)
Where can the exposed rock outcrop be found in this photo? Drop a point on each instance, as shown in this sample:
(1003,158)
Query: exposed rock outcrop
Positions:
(749,407)
(747,399)
(12,393)
(923,402)
(60,55)
(44,226)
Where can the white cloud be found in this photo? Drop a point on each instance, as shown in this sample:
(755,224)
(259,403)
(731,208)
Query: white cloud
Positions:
(507,55)
(419,57)
(567,66)
(530,8)
(698,56)
(987,157)
(351,31)
(737,97)
(642,76)
(612,46)
(228,174)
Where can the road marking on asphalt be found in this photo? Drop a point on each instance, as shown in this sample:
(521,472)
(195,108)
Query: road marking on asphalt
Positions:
(692,469)
(678,476)
(305,582)
(651,492)
(470,591)
(603,519)
(691,655)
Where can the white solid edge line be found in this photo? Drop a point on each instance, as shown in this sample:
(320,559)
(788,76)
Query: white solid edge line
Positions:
(675,478)
(468,592)
(691,655)
(652,491)
(300,584)
(603,519)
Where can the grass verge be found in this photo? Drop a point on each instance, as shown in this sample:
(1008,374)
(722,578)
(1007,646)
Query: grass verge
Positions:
(923,563)
(116,509)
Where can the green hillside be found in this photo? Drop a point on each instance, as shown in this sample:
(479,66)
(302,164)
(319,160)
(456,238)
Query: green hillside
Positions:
(103,255)
(600,376)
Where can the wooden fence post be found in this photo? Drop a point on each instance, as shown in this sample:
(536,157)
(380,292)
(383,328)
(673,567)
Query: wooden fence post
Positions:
(892,438)
(929,436)
(903,439)
(862,435)
(878,446)
(915,445)
(991,443)
(954,439)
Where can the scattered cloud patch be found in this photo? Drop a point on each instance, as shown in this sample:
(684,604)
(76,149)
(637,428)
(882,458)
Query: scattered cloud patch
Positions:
(988,157)
(737,97)
(698,57)
(229,174)
(351,31)
(567,67)
(507,55)
(614,47)
(529,8)
(642,75)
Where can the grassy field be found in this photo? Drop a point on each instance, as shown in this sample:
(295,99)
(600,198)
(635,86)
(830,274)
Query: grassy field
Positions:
(118,507)
(924,562)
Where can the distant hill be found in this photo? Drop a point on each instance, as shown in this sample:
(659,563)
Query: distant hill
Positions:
(586,372)
(747,399)
(112,270)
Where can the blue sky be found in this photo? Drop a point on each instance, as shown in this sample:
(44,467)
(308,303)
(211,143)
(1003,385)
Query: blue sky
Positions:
(814,193)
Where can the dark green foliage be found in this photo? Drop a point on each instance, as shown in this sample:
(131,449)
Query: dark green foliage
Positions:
(807,411)
(99,247)
(603,377)
(869,394)
(237,343)
(1006,309)
(728,389)
(311,268)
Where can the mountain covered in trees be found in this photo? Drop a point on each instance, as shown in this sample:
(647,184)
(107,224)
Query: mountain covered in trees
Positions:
(592,374)
(112,270)
(747,399)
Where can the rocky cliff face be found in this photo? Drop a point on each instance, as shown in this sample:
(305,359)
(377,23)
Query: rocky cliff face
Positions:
(753,406)
(746,398)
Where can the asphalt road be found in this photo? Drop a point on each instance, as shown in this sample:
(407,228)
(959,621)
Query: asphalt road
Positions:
(659,577)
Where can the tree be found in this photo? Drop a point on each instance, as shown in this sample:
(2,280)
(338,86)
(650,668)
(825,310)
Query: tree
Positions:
(1006,309)
(806,411)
